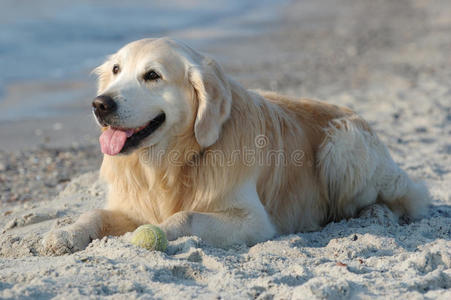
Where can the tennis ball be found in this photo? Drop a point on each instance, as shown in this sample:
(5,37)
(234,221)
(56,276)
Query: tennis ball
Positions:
(150,237)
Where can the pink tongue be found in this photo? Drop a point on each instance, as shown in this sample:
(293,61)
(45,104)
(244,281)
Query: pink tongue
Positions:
(112,141)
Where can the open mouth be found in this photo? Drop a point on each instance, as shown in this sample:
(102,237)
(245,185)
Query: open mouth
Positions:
(120,140)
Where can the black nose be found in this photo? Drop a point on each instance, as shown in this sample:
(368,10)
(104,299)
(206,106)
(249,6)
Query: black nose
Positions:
(103,105)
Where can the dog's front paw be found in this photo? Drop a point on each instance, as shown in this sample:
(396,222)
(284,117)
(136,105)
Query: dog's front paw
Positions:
(65,240)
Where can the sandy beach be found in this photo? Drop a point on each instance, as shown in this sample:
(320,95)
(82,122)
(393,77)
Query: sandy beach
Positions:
(388,60)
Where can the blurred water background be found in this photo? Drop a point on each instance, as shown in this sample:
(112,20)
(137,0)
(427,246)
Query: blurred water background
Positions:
(48,47)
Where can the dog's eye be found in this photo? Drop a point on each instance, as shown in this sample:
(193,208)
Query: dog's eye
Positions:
(151,75)
(116,69)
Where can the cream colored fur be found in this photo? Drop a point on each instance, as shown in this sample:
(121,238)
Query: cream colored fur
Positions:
(232,165)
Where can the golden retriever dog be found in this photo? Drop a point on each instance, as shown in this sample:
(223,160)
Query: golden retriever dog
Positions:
(192,151)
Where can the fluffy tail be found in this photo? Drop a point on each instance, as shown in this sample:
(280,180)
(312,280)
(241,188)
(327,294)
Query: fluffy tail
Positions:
(414,203)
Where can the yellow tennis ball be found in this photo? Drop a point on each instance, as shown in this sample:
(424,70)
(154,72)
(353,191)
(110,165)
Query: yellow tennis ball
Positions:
(150,237)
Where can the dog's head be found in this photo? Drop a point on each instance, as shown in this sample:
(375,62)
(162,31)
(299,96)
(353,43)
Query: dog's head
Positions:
(154,90)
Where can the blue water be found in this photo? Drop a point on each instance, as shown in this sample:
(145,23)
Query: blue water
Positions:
(57,39)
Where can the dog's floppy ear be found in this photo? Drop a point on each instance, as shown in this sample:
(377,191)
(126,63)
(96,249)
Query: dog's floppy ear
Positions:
(214,97)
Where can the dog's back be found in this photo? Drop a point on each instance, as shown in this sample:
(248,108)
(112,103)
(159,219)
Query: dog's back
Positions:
(351,167)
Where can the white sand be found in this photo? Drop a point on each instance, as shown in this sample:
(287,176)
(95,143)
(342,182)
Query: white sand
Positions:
(368,256)
(400,83)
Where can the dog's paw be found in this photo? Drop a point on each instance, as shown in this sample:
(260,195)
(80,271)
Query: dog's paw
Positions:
(65,240)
